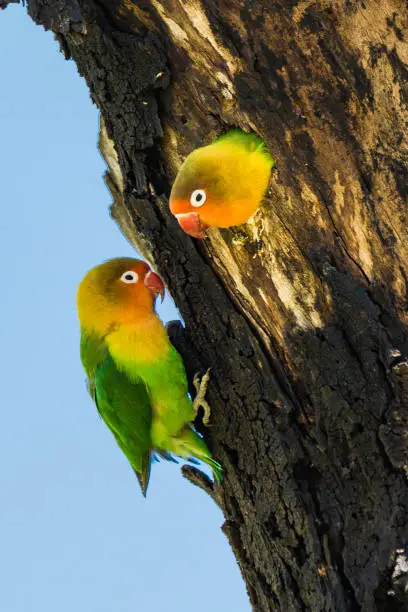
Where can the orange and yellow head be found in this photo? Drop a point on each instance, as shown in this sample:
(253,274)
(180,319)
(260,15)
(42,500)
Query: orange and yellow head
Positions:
(117,292)
(222,184)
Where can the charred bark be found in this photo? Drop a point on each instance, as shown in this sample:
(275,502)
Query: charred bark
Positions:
(302,313)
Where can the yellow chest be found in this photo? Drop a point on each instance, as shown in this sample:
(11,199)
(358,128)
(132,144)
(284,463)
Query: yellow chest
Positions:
(139,342)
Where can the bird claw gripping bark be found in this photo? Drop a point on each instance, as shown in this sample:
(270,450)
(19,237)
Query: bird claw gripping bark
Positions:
(199,400)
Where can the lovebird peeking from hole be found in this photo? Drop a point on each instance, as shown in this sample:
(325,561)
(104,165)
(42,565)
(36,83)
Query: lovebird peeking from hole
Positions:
(135,375)
(221,184)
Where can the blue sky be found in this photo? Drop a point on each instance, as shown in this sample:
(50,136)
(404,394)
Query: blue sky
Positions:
(75,531)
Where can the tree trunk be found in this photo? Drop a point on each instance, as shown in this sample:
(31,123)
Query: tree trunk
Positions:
(301,313)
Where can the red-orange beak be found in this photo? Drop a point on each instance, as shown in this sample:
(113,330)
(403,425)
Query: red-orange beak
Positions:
(192,224)
(155,284)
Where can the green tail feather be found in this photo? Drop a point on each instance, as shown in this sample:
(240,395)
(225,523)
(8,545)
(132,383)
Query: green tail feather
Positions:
(216,468)
(144,476)
(190,443)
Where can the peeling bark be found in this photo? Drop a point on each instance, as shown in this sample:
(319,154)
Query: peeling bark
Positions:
(302,313)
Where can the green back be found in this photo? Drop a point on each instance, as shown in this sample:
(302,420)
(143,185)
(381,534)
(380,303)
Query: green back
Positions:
(123,404)
(251,142)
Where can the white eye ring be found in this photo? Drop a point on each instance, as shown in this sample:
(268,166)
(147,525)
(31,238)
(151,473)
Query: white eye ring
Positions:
(129,277)
(198,197)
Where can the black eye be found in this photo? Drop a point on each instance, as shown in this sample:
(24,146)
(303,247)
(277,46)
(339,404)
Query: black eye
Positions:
(198,197)
(129,277)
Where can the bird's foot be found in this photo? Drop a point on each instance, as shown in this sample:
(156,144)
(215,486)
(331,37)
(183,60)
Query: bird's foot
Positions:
(199,400)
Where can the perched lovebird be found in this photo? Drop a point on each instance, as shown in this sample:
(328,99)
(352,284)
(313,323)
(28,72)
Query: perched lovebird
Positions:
(222,184)
(135,375)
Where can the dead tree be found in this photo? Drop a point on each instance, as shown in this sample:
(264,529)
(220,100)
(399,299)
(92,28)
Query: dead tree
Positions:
(301,313)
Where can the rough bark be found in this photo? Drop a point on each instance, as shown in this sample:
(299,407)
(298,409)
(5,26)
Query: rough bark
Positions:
(302,313)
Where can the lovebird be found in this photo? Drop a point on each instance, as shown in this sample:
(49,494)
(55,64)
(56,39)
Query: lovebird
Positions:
(222,184)
(135,375)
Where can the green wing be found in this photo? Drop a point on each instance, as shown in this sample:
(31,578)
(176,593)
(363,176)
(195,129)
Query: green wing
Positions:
(123,404)
(93,353)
